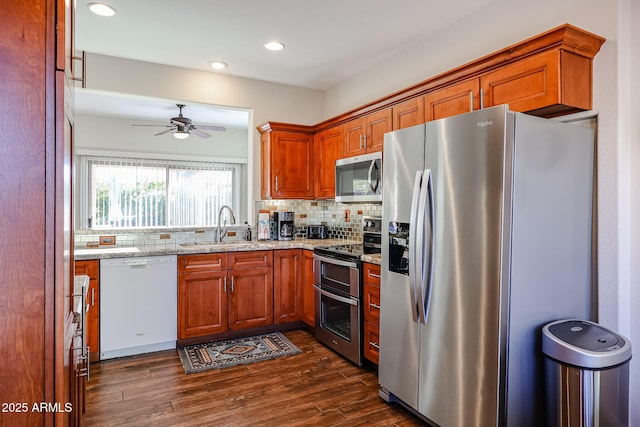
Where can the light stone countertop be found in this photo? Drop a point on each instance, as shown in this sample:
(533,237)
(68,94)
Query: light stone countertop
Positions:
(204,248)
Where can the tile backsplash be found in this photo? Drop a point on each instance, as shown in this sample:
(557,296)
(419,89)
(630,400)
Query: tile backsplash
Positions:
(343,221)
(340,224)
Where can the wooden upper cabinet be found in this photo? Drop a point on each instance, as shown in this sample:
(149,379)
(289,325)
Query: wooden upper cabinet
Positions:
(452,100)
(327,149)
(548,84)
(409,113)
(366,134)
(65,42)
(286,163)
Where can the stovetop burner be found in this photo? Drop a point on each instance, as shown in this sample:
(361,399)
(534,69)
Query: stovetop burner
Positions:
(348,252)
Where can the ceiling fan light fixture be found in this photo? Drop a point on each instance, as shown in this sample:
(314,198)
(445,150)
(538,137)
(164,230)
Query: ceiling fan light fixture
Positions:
(219,65)
(274,45)
(181,134)
(101,9)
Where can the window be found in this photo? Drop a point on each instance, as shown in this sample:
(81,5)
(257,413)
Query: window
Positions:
(137,193)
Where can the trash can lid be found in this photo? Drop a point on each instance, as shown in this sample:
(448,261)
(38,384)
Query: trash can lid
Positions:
(584,344)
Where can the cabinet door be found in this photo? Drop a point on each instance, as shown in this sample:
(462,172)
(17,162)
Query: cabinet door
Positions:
(547,83)
(452,100)
(287,276)
(91,268)
(291,156)
(327,149)
(202,303)
(409,113)
(353,137)
(250,298)
(308,294)
(265,166)
(376,125)
(371,342)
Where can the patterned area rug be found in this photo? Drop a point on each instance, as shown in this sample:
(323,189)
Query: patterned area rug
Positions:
(221,354)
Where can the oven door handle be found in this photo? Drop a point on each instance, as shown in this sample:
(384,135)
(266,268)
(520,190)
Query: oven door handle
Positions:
(336,261)
(336,297)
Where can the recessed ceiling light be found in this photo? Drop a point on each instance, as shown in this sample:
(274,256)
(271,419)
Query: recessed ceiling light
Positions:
(274,45)
(219,65)
(101,9)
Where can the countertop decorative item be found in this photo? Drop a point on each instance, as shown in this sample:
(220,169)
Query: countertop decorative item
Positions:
(263,225)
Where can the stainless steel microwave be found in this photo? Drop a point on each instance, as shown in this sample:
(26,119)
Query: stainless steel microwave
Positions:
(359,179)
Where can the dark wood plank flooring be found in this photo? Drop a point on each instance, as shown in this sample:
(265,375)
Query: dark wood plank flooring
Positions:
(314,388)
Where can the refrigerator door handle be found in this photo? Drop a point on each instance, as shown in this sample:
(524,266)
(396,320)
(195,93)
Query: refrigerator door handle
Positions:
(413,271)
(420,245)
(426,285)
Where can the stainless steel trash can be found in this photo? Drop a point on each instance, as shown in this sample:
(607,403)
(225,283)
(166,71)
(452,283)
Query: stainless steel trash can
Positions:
(587,374)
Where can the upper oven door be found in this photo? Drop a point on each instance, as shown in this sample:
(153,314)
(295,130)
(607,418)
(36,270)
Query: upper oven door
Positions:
(359,179)
(335,275)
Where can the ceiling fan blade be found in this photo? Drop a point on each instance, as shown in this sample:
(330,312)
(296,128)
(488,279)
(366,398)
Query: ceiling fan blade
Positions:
(163,132)
(153,125)
(199,133)
(216,128)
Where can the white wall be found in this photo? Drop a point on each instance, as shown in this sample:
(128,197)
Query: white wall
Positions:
(631,15)
(616,92)
(267,101)
(103,133)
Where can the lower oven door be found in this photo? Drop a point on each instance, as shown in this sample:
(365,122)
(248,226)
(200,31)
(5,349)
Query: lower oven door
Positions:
(338,323)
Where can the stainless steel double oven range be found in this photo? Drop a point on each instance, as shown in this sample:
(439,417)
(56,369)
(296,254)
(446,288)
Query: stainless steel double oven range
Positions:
(338,291)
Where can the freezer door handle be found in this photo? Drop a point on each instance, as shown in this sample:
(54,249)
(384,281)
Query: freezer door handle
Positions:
(420,244)
(426,285)
(413,256)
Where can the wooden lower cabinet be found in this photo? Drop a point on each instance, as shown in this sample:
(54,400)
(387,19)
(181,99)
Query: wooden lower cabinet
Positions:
(202,303)
(287,275)
(250,298)
(371,311)
(214,298)
(91,268)
(308,294)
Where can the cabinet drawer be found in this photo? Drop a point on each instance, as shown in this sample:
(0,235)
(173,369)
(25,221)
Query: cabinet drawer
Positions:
(202,262)
(250,259)
(371,274)
(371,303)
(371,342)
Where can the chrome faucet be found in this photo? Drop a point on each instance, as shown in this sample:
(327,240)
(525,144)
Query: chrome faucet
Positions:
(233,221)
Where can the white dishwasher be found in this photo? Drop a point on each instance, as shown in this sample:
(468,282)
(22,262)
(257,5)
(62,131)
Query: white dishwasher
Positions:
(138,305)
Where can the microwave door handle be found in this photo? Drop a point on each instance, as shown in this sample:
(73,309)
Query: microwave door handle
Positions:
(373,186)
(413,226)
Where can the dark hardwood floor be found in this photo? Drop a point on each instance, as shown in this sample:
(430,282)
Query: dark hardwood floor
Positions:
(315,388)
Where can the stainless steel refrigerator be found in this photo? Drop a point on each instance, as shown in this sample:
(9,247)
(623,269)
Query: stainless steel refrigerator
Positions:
(486,238)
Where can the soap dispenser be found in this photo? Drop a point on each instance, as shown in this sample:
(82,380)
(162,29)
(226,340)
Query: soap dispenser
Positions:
(247,235)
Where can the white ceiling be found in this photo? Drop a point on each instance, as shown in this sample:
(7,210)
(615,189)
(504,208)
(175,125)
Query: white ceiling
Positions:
(326,41)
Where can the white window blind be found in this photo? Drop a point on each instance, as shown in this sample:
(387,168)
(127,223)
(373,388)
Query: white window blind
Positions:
(138,193)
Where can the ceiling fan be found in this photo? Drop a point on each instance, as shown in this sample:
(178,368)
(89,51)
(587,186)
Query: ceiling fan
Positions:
(182,127)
